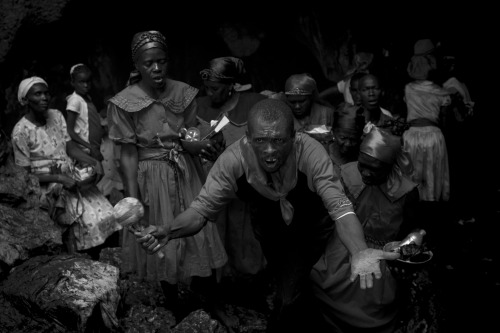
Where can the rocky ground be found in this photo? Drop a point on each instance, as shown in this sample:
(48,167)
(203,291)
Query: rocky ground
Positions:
(456,291)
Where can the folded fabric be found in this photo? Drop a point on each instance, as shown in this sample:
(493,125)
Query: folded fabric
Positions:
(319,129)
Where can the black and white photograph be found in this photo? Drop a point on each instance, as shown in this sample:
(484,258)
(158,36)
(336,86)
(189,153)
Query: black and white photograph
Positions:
(248,167)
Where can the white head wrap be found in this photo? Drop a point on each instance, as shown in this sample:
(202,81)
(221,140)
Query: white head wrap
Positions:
(25,86)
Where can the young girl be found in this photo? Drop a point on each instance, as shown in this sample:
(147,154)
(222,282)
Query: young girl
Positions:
(84,122)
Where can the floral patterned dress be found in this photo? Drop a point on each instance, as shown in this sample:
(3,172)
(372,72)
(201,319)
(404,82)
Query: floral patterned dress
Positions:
(43,150)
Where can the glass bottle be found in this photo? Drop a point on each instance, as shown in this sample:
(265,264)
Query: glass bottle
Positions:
(415,237)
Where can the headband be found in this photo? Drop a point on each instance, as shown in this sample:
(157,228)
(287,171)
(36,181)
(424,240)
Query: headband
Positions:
(300,84)
(72,70)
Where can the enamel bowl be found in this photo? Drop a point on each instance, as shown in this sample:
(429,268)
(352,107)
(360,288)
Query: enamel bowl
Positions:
(420,258)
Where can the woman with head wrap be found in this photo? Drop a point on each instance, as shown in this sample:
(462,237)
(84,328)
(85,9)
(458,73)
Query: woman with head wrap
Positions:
(424,140)
(308,108)
(225,96)
(312,114)
(347,132)
(385,200)
(423,63)
(42,145)
(146,119)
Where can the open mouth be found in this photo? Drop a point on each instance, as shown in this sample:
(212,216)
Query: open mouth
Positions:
(158,79)
(271,162)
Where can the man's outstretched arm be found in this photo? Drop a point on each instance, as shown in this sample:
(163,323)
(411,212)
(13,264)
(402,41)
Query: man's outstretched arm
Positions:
(187,223)
(218,190)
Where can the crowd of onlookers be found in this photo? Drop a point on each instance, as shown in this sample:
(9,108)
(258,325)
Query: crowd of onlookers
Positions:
(382,163)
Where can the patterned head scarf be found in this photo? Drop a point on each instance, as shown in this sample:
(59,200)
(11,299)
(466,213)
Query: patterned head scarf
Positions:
(147,40)
(382,145)
(25,86)
(141,42)
(224,69)
(300,84)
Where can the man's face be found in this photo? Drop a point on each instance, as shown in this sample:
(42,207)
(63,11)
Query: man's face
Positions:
(369,91)
(300,105)
(372,170)
(152,64)
(271,142)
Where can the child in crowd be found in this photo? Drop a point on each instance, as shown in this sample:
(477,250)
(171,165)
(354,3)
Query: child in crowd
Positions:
(84,122)
(85,128)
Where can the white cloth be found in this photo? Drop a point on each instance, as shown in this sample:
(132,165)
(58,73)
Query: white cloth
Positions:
(452,85)
(369,125)
(343,87)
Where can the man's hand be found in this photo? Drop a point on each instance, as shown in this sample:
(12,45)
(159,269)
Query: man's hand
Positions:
(367,262)
(152,239)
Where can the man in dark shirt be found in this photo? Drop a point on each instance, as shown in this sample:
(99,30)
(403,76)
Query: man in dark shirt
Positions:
(297,201)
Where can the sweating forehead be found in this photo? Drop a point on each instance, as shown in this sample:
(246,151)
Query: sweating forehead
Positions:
(269,111)
(262,127)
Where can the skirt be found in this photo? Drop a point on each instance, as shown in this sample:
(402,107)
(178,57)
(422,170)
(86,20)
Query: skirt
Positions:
(166,191)
(91,215)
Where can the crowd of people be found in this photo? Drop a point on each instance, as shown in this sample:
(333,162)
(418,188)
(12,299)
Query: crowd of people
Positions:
(295,188)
